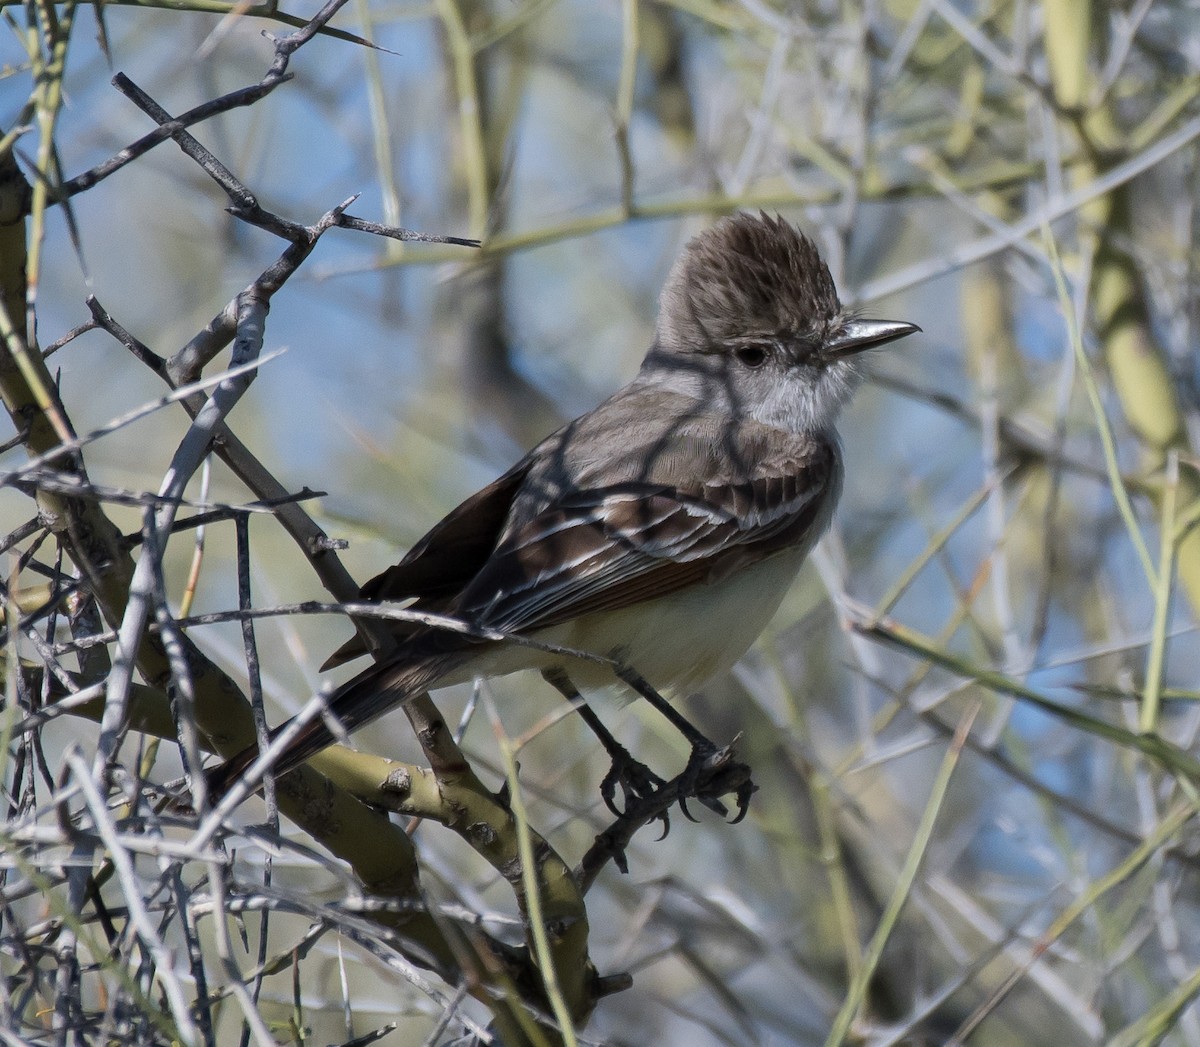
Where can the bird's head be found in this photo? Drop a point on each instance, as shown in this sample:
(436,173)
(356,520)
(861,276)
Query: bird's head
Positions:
(749,313)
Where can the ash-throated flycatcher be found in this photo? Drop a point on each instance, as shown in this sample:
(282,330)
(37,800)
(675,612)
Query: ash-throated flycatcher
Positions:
(662,528)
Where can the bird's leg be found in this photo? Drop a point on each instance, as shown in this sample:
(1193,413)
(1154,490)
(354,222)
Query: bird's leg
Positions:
(680,722)
(705,758)
(635,779)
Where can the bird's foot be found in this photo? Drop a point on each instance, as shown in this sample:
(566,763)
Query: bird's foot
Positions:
(711,773)
(634,779)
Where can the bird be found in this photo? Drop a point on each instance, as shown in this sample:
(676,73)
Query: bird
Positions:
(657,532)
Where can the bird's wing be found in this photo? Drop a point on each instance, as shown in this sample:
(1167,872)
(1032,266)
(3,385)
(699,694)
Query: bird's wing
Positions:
(616,546)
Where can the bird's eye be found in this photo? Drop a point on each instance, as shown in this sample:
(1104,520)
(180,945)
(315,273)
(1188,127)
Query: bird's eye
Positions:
(751,356)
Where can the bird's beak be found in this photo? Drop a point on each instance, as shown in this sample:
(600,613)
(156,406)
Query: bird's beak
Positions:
(857,335)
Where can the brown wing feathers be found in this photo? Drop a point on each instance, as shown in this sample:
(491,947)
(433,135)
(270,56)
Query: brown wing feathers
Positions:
(598,549)
(616,547)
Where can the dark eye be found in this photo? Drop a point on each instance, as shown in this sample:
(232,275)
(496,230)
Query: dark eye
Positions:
(751,355)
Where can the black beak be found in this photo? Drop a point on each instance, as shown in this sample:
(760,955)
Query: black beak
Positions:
(857,335)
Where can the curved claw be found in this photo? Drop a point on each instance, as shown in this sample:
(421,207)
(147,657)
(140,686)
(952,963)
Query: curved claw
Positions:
(608,791)
(743,794)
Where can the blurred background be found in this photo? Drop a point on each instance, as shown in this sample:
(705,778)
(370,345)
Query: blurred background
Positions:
(1017,177)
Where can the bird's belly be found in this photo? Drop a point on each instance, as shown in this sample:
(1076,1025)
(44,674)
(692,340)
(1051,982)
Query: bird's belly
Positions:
(680,640)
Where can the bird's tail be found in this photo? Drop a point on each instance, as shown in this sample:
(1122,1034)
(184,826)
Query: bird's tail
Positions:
(356,703)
